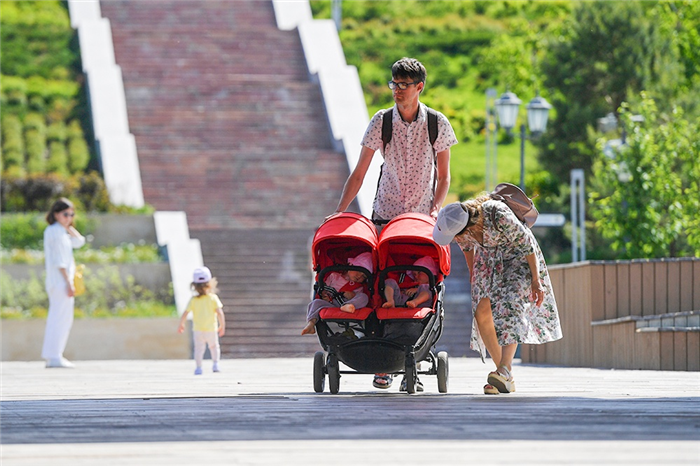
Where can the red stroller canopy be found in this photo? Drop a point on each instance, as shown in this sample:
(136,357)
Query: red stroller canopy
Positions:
(411,235)
(343,236)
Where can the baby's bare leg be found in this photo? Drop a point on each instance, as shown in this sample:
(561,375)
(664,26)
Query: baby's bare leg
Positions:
(309,328)
(389,295)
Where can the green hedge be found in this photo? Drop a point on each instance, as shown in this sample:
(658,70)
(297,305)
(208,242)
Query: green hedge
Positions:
(36,39)
(38,192)
(125,253)
(107,295)
(26,230)
(40,129)
(43,112)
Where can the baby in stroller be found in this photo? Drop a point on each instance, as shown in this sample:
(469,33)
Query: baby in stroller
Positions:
(417,294)
(342,290)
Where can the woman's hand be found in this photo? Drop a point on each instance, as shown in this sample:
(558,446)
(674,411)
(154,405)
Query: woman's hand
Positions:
(70,288)
(537,293)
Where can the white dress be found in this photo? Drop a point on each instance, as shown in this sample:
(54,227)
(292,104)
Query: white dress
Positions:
(58,254)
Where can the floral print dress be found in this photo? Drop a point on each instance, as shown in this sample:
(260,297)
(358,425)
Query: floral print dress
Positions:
(502,274)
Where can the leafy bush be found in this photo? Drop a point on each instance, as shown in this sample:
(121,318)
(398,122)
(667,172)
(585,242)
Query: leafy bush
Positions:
(36,39)
(43,107)
(107,295)
(26,230)
(58,159)
(12,144)
(38,192)
(126,253)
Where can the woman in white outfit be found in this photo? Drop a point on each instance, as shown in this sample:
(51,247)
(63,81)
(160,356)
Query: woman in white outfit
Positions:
(60,238)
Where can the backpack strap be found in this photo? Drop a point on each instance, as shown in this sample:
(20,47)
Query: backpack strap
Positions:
(387,128)
(432,126)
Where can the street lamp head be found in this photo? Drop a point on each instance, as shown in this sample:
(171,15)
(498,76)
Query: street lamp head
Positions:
(507,108)
(538,114)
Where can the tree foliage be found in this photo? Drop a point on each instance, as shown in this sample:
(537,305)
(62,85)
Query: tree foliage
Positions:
(645,192)
(607,54)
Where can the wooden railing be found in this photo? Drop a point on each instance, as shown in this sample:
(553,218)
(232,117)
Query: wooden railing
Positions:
(602,306)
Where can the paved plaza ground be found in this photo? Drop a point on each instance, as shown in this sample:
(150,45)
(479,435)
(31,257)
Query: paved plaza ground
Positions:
(264,412)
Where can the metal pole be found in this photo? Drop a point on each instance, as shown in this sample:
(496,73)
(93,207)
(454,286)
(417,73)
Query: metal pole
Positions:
(491,138)
(487,168)
(574,220)
(578,216)
(522,157)
(337,13)
(494,159)
(582,215)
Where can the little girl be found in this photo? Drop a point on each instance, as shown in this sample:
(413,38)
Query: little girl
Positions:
(343,290)
(415,296)
(208,322)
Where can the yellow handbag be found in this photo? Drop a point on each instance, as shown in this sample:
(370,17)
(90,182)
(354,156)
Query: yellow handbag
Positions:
(78,280)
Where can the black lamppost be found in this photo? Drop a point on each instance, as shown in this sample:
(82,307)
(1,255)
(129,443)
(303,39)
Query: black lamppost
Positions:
(537,115)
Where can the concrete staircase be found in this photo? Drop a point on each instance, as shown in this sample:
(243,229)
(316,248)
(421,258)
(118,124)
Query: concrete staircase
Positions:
(230,128)
(265,284)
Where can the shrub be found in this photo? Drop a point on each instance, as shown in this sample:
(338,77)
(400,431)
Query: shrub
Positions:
(125,253)
(92,193)
(60,109)
(36,151)
(37,192)
(78,154)
(35,143)
(26,230)
(56,132)
(58,159)
(12,143)
(107,295)
(36,38)
(22,230)
(36,103)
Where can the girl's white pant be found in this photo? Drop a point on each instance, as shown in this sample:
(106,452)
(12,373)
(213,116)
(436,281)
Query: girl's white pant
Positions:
(201,340)
(58,323)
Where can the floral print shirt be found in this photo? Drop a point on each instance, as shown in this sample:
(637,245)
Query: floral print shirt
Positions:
(407,182)
(502,274)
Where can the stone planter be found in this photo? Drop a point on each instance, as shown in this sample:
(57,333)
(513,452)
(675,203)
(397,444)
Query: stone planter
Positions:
(94,339)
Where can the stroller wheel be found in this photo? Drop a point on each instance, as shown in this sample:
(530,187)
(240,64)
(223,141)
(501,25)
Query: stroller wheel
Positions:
(411,375)
(442,371)
(319,373)
(333,373)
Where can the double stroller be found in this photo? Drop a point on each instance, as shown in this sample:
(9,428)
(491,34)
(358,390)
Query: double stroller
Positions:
(376,339)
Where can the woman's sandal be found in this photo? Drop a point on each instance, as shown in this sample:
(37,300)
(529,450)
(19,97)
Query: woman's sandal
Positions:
(490,390)
(382,380)
(502,380)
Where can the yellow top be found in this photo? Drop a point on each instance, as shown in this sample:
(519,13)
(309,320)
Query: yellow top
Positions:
(203,310)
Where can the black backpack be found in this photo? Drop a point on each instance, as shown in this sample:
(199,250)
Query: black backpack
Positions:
(387,126)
